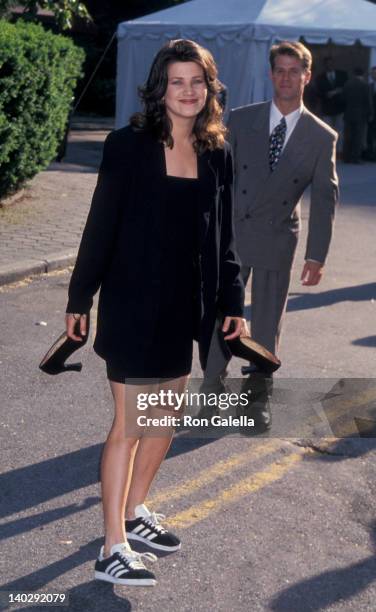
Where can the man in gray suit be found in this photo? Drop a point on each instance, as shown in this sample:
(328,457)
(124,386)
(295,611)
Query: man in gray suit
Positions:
(280,149)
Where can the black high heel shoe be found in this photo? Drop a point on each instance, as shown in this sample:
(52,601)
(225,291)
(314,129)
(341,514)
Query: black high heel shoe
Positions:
(247,348)
(54,360)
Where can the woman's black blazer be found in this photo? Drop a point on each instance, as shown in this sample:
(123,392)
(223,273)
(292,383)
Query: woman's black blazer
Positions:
(120,248)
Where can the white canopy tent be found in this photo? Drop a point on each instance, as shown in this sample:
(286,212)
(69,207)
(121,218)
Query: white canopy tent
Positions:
(239,33)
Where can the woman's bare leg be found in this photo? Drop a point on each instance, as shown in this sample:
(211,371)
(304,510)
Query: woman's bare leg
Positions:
(131,456)
(151,450)
(117,462)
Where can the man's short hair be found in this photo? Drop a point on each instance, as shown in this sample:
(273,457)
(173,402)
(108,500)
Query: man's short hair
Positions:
(294,49)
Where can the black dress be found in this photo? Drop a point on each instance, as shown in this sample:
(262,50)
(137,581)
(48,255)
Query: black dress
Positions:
(169,349)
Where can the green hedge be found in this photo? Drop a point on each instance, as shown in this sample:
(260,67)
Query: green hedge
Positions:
(38,75)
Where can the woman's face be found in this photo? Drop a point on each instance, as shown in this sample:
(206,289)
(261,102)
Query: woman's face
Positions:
(186,90)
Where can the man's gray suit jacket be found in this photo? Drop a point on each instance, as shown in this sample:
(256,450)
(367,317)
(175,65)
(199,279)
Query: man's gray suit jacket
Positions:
(267,204)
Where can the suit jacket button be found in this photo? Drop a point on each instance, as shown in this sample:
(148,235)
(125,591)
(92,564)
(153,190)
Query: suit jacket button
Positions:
(245,167)
(248,216)
(285,202)
(244,191)
(296,181)
(271,221)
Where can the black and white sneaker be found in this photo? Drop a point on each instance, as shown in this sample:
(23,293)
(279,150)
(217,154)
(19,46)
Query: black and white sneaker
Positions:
(124,566)
(146,528)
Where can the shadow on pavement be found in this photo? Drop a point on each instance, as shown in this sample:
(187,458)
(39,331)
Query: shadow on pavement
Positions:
(367,341)
(32,485)
(343,449)
(185,442)
(22,525)
(78,167)
(324,590)
(306,301)
(93,595)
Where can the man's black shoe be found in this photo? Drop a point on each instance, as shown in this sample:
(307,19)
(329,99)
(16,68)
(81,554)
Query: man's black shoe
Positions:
(258,387)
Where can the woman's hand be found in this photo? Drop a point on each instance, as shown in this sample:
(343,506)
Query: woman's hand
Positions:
(241,327)
(70,321)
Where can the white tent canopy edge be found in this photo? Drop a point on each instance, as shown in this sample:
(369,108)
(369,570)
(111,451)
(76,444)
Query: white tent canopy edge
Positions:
(239,33)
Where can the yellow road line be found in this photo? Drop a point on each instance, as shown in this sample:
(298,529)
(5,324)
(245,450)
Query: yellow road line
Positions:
(251,484)
(221,468)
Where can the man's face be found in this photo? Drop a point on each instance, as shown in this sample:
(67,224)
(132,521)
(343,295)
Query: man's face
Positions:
(289,78)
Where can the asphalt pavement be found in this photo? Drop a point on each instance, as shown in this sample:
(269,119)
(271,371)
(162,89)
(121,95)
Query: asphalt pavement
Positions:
(282,523)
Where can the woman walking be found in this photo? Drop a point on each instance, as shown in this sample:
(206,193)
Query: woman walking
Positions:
(158,242)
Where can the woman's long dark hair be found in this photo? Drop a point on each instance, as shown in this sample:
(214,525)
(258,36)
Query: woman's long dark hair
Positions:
(208,129)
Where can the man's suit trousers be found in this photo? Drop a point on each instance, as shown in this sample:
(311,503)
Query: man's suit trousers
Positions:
(354,140)
(269,290)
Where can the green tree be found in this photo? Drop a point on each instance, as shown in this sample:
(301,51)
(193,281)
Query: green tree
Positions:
(63,10)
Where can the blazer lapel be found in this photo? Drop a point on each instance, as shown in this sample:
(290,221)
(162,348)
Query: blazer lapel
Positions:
(259,132)
(208,184)
(295,149)
(152,177)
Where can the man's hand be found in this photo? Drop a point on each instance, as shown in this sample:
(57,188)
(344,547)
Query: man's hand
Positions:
(241,327)
(70,321)
(312,273)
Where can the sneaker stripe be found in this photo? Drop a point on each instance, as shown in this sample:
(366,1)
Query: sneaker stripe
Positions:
(113,565)
(126,567)
(152,533)
(115,570)
(145,532)
(119,572)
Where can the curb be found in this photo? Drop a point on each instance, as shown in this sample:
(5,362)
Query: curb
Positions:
(20,270)
(10,200)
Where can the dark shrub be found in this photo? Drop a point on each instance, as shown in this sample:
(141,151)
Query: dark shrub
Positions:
(38,75)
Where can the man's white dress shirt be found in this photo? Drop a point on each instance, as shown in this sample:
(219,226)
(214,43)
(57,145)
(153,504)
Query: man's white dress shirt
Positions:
(291,120)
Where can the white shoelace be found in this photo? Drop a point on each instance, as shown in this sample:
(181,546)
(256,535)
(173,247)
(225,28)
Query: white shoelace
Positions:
(135,559)
(154,519)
